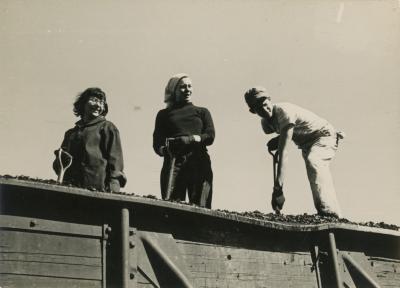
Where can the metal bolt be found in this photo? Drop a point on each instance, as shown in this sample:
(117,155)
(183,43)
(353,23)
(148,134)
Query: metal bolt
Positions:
(33,223)
(132,276)
(131,244)
(108,230)
(131,232)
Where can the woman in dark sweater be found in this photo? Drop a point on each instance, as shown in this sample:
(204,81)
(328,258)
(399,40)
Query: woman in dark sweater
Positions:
(94,145)
(182,132)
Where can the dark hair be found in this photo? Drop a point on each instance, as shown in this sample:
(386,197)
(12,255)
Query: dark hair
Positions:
(83,97)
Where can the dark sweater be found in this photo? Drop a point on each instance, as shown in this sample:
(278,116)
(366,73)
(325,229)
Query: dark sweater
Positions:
(184,119)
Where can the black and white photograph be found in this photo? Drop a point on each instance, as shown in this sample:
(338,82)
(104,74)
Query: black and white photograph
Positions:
(200,143)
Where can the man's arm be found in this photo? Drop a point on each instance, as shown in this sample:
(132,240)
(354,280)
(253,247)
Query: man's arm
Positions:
(284,138)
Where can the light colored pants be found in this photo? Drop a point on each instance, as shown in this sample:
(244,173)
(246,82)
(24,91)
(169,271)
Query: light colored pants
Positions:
(317,158)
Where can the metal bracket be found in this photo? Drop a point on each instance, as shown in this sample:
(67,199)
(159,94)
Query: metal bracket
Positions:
(185,282)
(104,243)
(348,261)
(315,253)
(133,266)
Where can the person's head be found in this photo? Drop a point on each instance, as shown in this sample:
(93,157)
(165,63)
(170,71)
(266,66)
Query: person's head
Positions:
(259,101)
(91,103)
(178,89)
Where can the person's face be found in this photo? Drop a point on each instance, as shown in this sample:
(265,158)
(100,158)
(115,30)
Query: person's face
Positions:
(264,108)
(183,90)
(93,108)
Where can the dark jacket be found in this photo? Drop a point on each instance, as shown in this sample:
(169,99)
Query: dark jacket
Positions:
(96,155)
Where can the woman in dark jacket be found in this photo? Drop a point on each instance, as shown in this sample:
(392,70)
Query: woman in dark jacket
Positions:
(182,132)
(94,145)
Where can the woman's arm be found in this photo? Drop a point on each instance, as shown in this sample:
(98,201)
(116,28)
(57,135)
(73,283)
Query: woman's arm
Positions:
(115,160)
(159,134)
(208,134)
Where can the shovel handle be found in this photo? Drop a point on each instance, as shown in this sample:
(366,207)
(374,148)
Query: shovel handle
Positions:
(60,177)
(275,158)
(170,183)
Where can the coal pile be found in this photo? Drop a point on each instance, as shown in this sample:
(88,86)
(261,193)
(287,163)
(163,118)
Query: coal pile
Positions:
(27,178)
(306,219)
(54,182)
(303,219)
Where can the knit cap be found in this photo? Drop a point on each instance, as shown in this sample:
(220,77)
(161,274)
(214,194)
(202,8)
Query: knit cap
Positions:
(170,89)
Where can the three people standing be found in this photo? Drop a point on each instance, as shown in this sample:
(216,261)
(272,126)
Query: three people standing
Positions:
(181,135)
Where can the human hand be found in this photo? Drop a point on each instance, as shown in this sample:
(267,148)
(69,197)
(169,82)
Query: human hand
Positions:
(184,140)
(177,145)
(273,144)
(62,162)
(114,185)
(65,156)
(278,199)
(162,150)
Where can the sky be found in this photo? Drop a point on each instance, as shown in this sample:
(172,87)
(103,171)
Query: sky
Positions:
(339,59)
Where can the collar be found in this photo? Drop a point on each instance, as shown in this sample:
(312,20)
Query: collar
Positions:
(94,121)
(180,105)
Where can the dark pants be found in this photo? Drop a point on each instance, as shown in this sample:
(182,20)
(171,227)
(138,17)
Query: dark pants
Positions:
(191,173)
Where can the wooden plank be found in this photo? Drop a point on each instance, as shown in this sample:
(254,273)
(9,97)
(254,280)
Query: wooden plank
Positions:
(51,269)
(26,223)
(145,268)
(167,245)
(222,266)
(28,253)
(57,259)
(387,272)
(28,281)
(144,281)
(19,241)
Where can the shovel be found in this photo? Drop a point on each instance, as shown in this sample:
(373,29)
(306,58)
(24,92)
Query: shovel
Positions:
(170,184)
(276,200)
(275,157)
(62,167)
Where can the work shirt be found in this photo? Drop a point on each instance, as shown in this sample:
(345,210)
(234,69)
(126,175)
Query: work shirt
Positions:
(96,154)
(184,120)
(307,126)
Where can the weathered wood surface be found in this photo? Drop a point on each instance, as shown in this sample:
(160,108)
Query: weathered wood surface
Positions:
(221,266)
(387,271)
(61,234)
(43,253)
(28,281)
